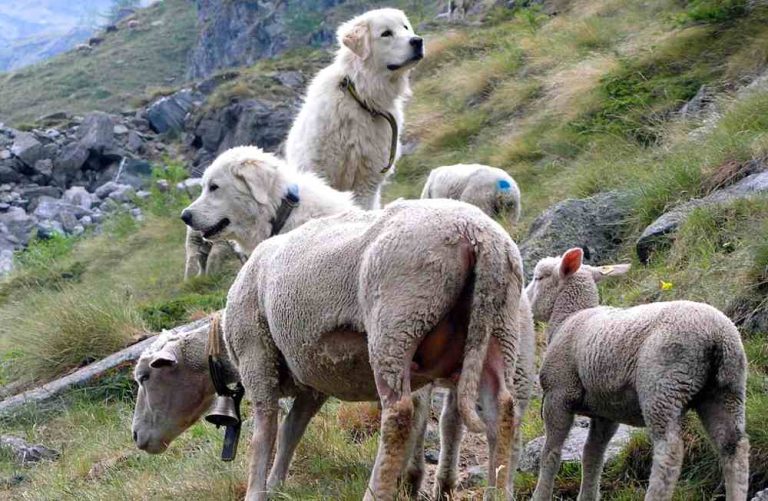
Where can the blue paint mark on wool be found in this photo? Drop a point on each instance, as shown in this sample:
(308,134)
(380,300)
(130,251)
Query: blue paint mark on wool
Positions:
(503,185)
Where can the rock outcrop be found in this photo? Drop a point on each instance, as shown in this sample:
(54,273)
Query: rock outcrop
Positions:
(597,224)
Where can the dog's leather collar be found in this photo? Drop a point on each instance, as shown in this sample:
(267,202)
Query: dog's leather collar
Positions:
(290,201)
(348,85)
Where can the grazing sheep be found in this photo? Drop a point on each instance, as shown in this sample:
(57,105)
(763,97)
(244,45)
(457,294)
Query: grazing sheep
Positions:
(348,128)
(381,303)
(84,48)
(489,188)
(642,366)
(204,257)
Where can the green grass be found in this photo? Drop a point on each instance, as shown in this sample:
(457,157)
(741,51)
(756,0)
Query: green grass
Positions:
(123,71)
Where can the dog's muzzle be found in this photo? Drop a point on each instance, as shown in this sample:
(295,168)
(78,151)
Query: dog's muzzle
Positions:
(216,229)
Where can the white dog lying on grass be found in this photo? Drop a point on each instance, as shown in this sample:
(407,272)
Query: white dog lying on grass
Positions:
(348,129)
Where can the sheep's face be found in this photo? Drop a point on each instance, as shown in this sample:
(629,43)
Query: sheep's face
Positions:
(544,288)
(171,397)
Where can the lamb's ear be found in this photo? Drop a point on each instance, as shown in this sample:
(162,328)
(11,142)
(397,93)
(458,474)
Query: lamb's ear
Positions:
(571,262)
(164,358)
(356,37)
(257,176)
(611,270)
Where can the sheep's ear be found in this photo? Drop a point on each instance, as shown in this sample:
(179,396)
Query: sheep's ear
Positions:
(571,262)
(257,176)
(163,358)
(601,272)
(356,38)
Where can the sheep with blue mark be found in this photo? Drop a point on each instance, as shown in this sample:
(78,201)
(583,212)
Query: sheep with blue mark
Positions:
(489,188)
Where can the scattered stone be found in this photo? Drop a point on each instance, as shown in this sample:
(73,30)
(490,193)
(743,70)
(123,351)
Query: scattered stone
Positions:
(596,224)
(26,453)
(105,189)
(27,148)
(167,114)
(659,234)
(96,132)
(54,208)
(49,229)
(123,193)
(77,195)
(44,167)
(573,446)
(120,129)
(5,154)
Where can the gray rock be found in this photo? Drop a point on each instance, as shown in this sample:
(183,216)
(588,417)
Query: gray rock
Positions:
(596,224)
(17,226)
(33,192)
(431,456)
(702,103)
(124,193)
(135,142)
(71,159)
(77,195)
(25,452)
(9,175)
(573,446)
(49,229)
(293,79)
(209,133)
(136,173)
(659,234)
(53,208)
(761,496)
(105,189)
(96,132)
(192,186)
(44,167)
(78,230)
(5,154)
(162,185)
(6,261)
(27,148)
(167,114)
(120,129)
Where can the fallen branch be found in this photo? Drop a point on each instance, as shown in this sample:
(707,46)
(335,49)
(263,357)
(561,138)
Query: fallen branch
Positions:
(57,387)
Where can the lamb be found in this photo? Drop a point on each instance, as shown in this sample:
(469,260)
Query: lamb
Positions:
(383,302)
(642,366)
(489,188)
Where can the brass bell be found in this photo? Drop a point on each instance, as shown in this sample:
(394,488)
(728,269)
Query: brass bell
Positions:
(223,412)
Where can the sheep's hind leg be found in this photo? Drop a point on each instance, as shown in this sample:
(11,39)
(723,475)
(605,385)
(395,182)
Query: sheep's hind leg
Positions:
(414,470)
(600,433)
(304,407)
(667,460)
(451,432)
(723,417)
(557,424)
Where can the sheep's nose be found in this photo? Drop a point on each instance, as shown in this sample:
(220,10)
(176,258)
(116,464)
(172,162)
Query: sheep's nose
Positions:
(186,216)
(135,436)
(417,43)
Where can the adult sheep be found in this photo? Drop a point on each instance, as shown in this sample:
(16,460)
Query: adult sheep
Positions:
(363,305)
(642,366)
(348,128)
(489,188)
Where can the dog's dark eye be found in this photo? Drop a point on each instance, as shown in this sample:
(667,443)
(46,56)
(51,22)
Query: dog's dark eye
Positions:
(213,187)
(406,27)
(387,33)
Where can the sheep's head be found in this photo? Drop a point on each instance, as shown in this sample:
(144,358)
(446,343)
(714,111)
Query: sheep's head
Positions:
(173,394)
(564,284)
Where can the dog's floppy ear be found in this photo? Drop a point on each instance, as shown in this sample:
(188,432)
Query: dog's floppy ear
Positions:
(355,35)
(257,176)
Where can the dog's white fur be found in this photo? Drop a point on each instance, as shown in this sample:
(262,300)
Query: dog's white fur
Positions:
(333,135)
(250,185)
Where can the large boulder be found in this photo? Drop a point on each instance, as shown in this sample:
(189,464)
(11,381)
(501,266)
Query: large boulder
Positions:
(660,233)
(27,148)
(136,173)
(596,224)
(96,133)
(167,114)
(573,446)
(9,175)
(69,162)
(15,228)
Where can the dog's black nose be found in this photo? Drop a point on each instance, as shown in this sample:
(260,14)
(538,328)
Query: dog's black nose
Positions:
(186,216)
(417,43)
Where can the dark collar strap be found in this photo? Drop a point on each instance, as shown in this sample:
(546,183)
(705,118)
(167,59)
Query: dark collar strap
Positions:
(290,201)
(348,85)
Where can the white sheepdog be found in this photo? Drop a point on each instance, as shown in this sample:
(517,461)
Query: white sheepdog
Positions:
(348,129)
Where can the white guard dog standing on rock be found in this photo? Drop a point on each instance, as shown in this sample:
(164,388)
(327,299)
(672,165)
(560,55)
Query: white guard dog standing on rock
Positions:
(348,129)
(362,305)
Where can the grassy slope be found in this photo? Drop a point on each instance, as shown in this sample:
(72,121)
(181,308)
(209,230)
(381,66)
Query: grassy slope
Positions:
(117,75)
(571,106)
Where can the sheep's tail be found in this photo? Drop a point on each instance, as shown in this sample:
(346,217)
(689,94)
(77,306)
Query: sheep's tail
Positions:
(498,283)
(731,361)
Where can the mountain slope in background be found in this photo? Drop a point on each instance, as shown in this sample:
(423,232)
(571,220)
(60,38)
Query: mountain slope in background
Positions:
(31,32)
